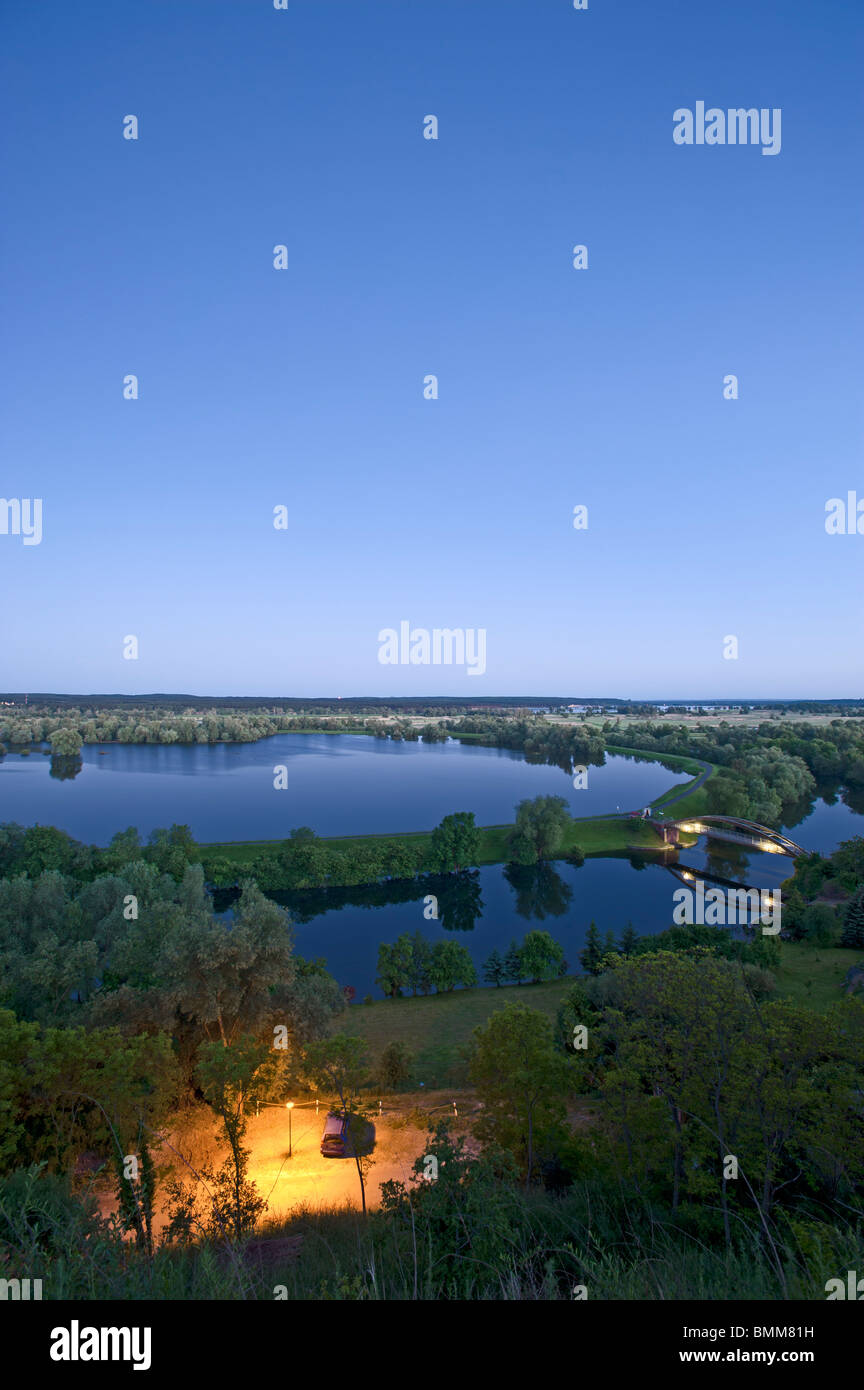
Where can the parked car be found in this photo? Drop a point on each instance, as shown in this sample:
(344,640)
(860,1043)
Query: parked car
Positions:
(334,1141)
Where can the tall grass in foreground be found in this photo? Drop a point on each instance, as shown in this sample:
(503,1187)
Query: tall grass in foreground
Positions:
(536,1247)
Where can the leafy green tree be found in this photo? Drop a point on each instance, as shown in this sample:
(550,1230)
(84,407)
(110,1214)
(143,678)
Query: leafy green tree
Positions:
(396,966)
(811,870)
(125,847)
(455,843)
(228,1081)
(172,850)
(65,743)
(43,847)
(451,965)
(465,1219)
(542,956)
(521,849)
(847,862)
(818,924)
(522,1081)
(696,1071)
(575,1009)
(419,960)
(539,828)
(394,1066)
(65,1090)
(297,864)
(136,1195)
(402,858)
(181,970)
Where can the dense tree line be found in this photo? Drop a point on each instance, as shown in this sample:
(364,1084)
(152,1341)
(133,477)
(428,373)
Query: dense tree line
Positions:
(560,744)
(59,726)
(138,947)
(823,900)
(763,770)
(301,862)
(69,729)
(412,962)
(538,957)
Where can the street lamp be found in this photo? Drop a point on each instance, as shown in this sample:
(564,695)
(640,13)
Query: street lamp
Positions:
(289,1106)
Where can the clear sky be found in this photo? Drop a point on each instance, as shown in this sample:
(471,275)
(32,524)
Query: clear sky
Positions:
(303,387)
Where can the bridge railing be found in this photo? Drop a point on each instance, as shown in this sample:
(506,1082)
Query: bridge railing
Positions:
(745,831)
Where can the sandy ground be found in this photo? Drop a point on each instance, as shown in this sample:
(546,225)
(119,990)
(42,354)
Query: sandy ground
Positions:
(304,1177)
(308,1177)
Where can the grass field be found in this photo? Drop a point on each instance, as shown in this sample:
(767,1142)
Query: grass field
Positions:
(695,804)
(437,1028)
(813,975)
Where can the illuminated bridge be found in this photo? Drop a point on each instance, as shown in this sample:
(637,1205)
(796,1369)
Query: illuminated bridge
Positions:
(734,829)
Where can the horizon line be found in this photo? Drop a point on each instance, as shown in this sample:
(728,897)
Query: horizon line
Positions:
(726,700)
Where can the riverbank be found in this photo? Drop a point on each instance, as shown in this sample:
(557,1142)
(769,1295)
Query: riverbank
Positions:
(593,835)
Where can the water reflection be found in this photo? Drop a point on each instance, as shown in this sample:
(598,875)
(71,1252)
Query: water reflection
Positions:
(65,768)
(460,901)
(458,898)
(832,793)
(540,892)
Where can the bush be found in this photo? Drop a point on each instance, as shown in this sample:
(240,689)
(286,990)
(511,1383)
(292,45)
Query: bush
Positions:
(394,1067)
(761,981)
(818,924)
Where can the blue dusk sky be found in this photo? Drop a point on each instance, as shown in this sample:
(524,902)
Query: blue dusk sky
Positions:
(303,387)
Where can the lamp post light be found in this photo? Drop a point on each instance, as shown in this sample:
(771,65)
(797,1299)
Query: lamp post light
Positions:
(289,1106)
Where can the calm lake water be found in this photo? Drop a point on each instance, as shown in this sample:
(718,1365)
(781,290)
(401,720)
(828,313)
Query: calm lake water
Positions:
(349,784)
(339,784)
(497,904)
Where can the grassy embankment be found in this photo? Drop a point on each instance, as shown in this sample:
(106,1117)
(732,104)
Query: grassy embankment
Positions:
(596,835)
(692,803)
(592,834)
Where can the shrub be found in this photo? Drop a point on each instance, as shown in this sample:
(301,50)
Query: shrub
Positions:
(394,1067)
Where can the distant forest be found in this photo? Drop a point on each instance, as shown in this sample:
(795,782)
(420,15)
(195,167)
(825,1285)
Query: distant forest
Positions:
(415,704)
